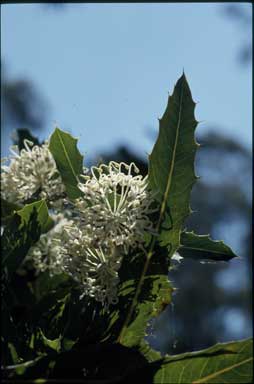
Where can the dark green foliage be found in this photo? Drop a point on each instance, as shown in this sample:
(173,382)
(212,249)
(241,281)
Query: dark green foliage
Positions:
(68,159)
(7,209)
(228,362)
(202,247)
(171,164)
(22,231)
(155,294)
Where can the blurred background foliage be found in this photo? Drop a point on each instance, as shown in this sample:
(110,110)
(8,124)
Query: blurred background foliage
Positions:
(239,15)
(213,301)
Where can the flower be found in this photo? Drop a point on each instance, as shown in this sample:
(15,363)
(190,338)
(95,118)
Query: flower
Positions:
(94,269)
(67,249)
(47,253)
(32,173)
(90,243)
(115,205)
(177,257)
(97,273)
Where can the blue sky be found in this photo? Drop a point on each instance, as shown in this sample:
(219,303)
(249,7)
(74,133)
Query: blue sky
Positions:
(106,69)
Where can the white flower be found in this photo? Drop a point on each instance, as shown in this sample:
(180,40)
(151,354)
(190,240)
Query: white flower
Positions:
(47,253)
(67,249)
(177,257)
(116,205)
(97,273)
(32,172)
(111,217)
(94,269)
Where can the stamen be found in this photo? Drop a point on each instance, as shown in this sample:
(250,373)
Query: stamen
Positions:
(30,173)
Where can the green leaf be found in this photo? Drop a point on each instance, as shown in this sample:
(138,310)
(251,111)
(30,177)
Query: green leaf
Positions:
(171,164)
(67,344)
(151,305)
(222,363)
(22,231)
(171,176)
(202,247)
(139,300)
(148,352)
(51,296)
(14,355)
(68,159)
(52,344)
(44,220)
(45,284)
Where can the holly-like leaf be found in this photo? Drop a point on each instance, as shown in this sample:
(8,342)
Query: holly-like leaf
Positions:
(158,295)
(68,159)
(148,352)
(44,220)
(202,247)
(222,363)
(171,176)
(22,231)
(171,164)
(139,299)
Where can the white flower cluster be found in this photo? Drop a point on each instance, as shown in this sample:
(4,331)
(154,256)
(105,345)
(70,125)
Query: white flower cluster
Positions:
(47,253)
(90,242)
(115,205)
(111,217)
(67,249)
(31,173)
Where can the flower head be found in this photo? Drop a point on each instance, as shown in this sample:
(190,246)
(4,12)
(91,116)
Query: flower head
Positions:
(116,205)
(97,273)
(111,217)
(94,269)
(47,253)
(32,172)
(67,249)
